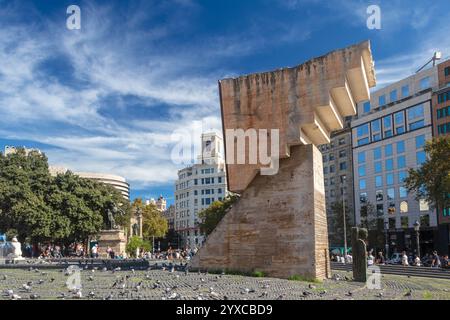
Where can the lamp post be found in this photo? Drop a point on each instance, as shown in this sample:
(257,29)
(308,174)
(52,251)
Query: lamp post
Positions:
(386,240)
(343,217)
(417,229)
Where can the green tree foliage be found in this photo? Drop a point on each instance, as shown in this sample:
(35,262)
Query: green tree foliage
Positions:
(39,207)
(431,181)
(211,216)
(153,222)
(135,243)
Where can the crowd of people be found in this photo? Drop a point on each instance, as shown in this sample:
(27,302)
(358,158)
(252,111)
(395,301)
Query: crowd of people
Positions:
(433,260)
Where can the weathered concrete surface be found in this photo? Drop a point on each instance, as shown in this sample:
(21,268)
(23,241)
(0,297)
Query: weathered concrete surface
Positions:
(279,225)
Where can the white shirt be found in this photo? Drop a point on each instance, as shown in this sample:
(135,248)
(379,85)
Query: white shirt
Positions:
(405,260)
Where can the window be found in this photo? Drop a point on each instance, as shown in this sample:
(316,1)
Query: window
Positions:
(361,157)
(402,175)
(325,170)
(380,210)
(400,146)
(343,178)
(379,195)
(378,167)
(219,190)
(399,122)
(404,220)
(416,112)
(421,157)
(404,207)
(332,168)
(423,205)
(331,157)
(366,107)
(332,193)
(391,208)
(324,158)
(390,179)
(387,126)
(363,141)
(362,171)
(420,141)
(401,162)
(389,164)
(392,222)
(381,100)
(362,130)
(402,192)
(424,83)
(342,153)
(362,184)
(377,153)
(388,150)
(378,181)
(405,91)
(376,130)
(195,192)
(219,179)
(341,141)
(425,220)
(326,181)
(390,194)
(363,197)
(393,95)
(343,166)
(447,71)
(332,181)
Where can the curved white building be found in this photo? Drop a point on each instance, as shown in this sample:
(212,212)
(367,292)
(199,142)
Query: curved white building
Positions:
(117,182)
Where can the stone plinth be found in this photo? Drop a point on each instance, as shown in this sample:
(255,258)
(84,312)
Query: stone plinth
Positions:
(115,239)
(279,225)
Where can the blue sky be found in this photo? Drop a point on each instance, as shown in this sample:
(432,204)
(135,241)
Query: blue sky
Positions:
(108,97)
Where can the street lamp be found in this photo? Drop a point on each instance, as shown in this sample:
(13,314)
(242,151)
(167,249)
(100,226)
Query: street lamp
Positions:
(417,229)
(386,240)
(343,216)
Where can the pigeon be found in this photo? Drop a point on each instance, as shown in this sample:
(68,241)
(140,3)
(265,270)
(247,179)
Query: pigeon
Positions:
(349,294)
(91,294)
(52,279)
(40,281)
(91,278)
(306,293)
(147,276)
(168,290)
(155,286)
(78,294)
(26,287)
(4,277)
(380,295)
(43,273)
(8,292)
(174,295)
(132,271)
(177,276)
(104,269)
(62,295)
(202,280)
(93,270)
(266,286)
(264,294)
(323,292)
(311,286)
(109,297)
(214,294)
(280,297)
(16,297)
(409,293)
(34,296)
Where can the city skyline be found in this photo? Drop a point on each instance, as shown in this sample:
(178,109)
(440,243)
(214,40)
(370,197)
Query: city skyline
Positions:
(96,102)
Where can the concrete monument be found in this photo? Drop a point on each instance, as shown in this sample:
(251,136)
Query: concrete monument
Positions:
(279,224)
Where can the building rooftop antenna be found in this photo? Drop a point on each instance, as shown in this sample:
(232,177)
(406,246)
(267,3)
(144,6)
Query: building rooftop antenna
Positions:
(436,56)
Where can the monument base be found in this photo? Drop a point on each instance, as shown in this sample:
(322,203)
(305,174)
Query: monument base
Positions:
(115,239)
(279,225)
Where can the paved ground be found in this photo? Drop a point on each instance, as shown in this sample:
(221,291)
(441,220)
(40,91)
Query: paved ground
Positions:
(159,284)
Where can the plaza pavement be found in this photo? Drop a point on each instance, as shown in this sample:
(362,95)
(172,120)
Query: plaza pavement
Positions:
(177,285)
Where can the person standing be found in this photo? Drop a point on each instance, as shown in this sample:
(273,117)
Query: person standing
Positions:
(94,251)
(436,262)
(380,258)
(405,259)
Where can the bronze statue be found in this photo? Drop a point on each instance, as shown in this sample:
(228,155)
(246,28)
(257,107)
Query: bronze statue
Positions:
(112,211)
(359,237)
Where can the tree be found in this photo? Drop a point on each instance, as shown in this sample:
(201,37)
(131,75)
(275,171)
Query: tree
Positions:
(336,224)
(39,207)
(211,216)
(431,181)
(153,222)
(135,243)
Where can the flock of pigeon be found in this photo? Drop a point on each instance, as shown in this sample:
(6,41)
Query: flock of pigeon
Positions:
(163,282)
